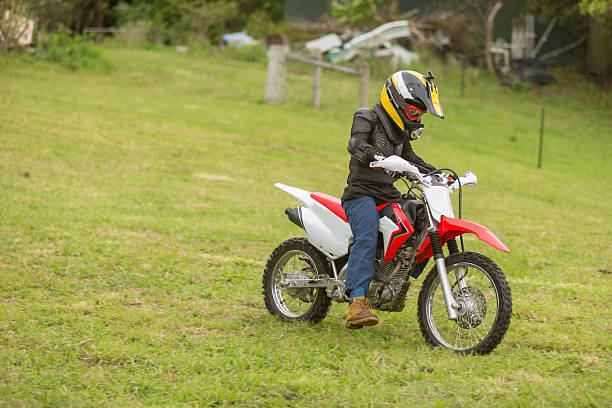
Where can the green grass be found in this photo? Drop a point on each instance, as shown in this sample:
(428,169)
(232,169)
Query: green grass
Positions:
(137,210)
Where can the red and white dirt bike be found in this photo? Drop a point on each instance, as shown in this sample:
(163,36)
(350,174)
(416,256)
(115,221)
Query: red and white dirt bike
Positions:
(465,302)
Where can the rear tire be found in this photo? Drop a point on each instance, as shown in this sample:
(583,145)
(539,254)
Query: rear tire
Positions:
(293,305)
(487,295)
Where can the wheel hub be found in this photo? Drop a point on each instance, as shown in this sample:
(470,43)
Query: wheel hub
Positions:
(304,294)
(473,307)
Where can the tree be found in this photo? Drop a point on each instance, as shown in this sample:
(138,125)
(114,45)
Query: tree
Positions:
(357,13)
(600,9)
(573,14)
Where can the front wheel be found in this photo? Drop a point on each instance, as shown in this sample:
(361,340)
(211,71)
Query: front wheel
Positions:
(295,259)
(480,288)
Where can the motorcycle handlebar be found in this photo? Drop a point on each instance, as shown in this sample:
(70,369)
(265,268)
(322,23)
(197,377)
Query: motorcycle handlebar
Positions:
(468,179)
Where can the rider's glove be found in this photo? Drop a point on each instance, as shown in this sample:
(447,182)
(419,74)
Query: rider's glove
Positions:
(447,178)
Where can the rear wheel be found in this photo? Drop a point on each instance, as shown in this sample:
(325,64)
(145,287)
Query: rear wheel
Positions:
(480,287)
(295,259)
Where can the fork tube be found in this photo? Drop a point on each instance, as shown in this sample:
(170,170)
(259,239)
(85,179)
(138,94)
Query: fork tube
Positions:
(453,248)
(436,247)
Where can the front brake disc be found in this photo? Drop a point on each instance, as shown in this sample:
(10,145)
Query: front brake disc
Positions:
(476,305)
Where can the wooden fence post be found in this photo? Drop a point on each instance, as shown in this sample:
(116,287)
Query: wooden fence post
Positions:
(541,139)
(364,81)
(277,73)
(463,66)
(316,81)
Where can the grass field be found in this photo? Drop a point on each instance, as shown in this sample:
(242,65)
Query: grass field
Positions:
(137,210)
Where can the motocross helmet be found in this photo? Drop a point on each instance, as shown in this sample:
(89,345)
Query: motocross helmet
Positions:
(406,97)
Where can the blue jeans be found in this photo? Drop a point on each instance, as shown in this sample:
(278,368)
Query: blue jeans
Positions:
(363,218)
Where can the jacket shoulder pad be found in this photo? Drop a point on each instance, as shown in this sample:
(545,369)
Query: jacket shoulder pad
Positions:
(367,114)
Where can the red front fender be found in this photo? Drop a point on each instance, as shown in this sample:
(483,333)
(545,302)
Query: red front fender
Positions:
(449,228)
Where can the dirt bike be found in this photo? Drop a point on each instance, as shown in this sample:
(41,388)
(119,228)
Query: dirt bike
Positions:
(464,304)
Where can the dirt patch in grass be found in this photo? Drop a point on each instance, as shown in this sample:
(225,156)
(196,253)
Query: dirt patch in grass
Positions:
(213,177)
(203,331)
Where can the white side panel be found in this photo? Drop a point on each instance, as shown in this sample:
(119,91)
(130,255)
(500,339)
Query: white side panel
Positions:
(326,231)
(386,227)
(301,195)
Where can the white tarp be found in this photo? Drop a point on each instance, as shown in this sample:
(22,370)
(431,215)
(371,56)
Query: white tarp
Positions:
(399,55)
(325,43)
(386,32)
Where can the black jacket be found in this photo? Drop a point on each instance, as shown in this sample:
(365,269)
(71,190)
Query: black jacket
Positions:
(371,134)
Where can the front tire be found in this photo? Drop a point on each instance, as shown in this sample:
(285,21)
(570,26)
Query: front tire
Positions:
(486,300)
(295,258)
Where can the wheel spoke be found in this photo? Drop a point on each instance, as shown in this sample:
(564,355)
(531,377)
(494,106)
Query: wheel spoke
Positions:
(474,332)
(483,322)
(457,336)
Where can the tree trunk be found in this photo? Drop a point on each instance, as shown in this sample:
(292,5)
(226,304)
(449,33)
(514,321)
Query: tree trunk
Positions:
(98,17)
(98,14)
(490,18)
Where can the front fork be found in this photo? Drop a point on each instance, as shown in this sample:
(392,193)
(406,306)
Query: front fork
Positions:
(436,246)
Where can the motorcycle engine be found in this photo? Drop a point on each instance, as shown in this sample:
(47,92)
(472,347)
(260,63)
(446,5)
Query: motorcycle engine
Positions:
(391,279)
(388,289)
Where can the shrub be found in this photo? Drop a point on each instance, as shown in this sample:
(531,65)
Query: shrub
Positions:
(73,52)
(260,25)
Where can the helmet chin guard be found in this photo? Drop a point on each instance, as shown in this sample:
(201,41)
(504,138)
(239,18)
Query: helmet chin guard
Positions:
(415,131)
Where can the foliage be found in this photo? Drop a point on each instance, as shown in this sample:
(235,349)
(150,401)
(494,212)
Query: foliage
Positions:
(204,21)
(574,13)
(260,25)
(137,32)
(357,13)
(595,7)
(601,9)
(54,14)
(132,12)
(212,19)
(181,21)
(72,52)
(567,12)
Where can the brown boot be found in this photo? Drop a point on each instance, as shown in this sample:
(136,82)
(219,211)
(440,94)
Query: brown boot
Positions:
(359,314)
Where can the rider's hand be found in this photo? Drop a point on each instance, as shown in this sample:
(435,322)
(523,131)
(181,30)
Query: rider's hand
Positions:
(394,174)
(417,176)
(447,178)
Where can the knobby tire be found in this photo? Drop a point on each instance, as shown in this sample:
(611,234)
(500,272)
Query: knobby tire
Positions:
(320,305)
(495,336)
